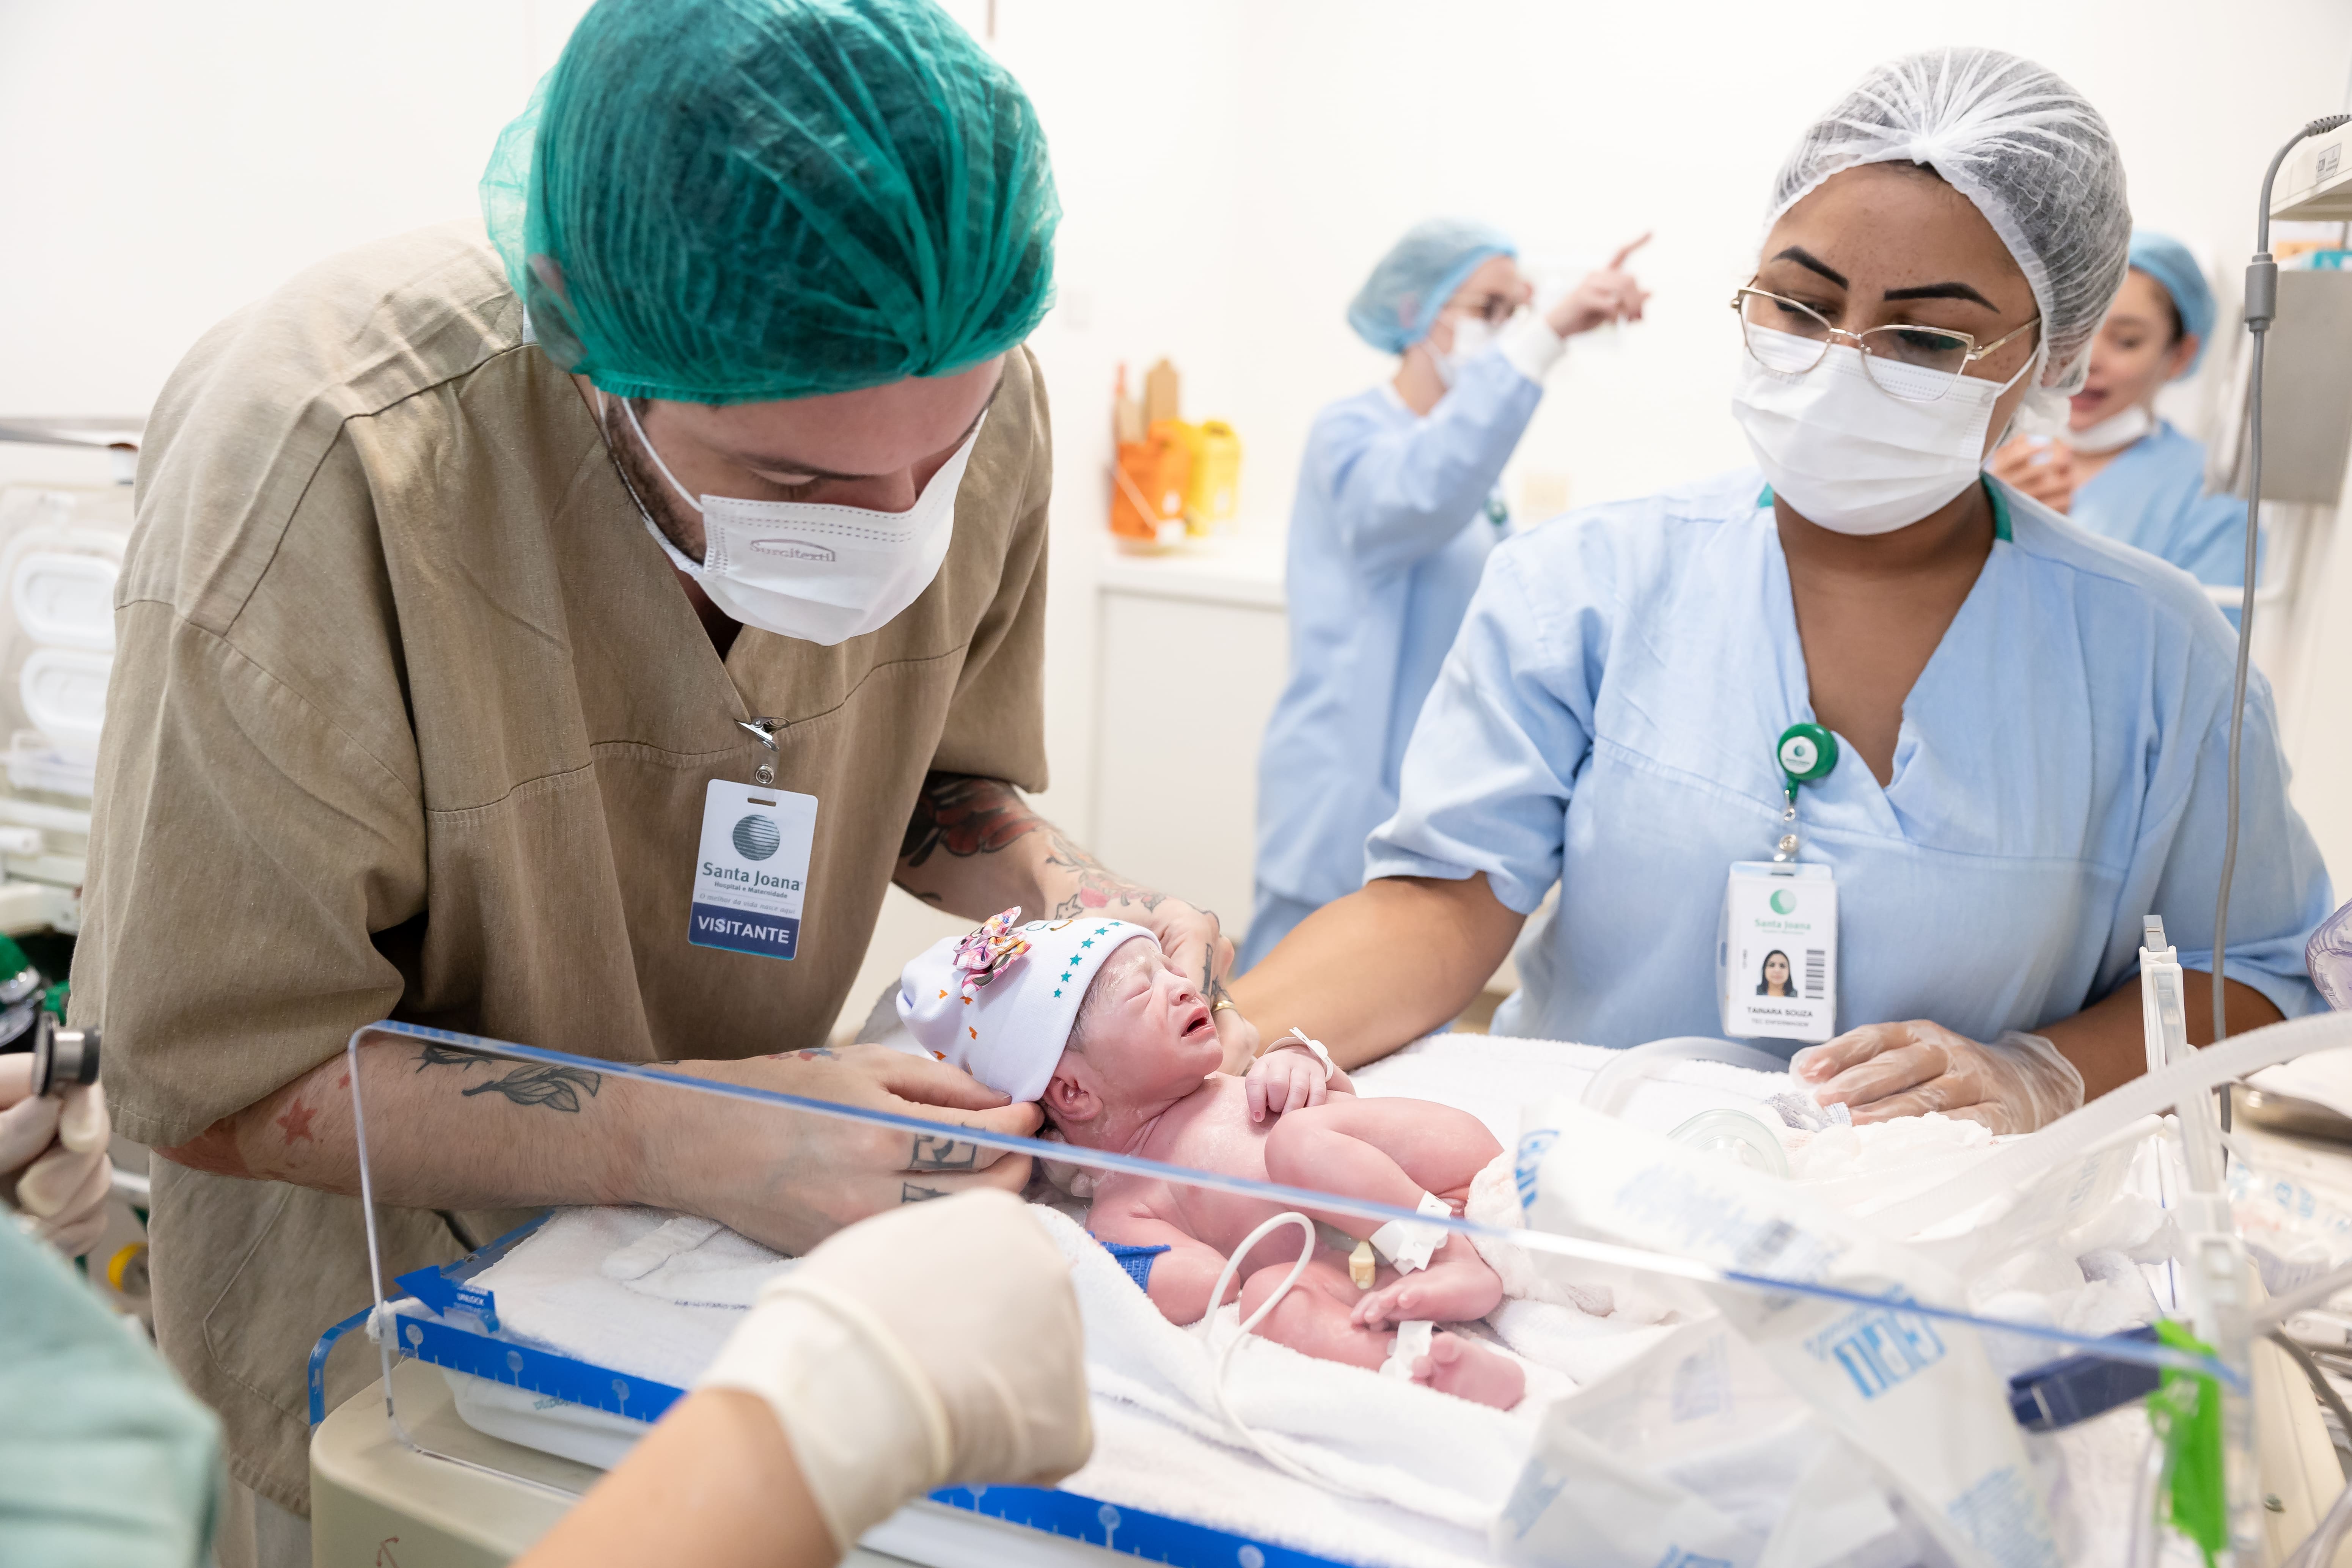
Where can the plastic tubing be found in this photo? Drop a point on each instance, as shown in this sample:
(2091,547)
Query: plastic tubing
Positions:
(2013,1164)
(1282,1462)
(1614,1085)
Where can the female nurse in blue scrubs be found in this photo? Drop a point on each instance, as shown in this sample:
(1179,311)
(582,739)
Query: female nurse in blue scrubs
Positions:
(2026,724)
(2120,470)
(1396,511)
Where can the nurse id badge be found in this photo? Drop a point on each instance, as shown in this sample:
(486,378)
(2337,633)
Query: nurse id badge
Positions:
(1778,956)
(747,880)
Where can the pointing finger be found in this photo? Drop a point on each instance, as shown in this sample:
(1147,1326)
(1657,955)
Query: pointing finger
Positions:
(1618,260)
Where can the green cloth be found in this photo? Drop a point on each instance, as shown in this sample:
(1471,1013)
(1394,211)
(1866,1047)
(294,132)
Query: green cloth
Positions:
(741,201)
(1992,493)
(105,1460)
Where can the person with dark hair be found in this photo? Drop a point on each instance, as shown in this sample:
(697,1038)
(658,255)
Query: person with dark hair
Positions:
(2022,728)
(1774,978)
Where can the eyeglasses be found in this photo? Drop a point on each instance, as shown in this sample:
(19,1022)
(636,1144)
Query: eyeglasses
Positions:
(1916,364)
(1492,308)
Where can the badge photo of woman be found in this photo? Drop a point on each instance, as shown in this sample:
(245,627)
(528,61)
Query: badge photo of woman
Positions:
(1775,981)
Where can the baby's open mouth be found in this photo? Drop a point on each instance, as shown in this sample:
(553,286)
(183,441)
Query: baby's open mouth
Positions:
(1198,1022)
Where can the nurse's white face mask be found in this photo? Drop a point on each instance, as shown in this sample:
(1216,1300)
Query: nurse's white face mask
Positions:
(1853,458)
(2115,432)
(1472,337)
(801,569)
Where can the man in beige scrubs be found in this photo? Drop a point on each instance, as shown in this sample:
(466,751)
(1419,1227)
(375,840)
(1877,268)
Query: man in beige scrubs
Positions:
(443,614)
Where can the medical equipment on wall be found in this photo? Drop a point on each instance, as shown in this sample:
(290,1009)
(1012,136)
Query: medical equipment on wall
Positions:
(61,550)
(2261,306)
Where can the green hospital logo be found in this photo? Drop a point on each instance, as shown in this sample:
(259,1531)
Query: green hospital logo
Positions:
(1782,899)
(756,838)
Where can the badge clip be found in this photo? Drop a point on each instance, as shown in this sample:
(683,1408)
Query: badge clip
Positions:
(764,732)
(1807,753)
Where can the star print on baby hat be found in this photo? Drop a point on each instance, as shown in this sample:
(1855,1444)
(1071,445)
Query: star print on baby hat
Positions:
(1007,1029)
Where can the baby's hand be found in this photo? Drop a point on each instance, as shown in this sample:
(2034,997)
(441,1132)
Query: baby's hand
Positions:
(1286,1078)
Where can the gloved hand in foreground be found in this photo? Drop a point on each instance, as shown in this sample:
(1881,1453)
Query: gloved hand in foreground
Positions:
(1882,1072)
(936,1344)
(54,1148)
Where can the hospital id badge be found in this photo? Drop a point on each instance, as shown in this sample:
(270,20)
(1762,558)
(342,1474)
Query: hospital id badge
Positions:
(1779,955)
(749,878)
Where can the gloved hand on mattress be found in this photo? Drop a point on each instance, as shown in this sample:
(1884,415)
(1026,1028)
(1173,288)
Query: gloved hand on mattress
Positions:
(933,1345)
(53,1156)
(1882,1072)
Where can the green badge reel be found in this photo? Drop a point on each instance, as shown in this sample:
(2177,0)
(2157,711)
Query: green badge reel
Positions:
(1807,753)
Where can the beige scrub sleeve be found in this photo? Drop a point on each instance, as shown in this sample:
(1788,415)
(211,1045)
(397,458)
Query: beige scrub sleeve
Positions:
(245,847)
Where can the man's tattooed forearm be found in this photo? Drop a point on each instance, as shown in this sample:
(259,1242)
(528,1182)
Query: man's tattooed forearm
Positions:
(911,1193)
(557,1088)
(1097,887)
(943,1154)
(965,815)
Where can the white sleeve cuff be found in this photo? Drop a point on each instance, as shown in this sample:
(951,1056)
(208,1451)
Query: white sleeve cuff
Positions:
(1532,347)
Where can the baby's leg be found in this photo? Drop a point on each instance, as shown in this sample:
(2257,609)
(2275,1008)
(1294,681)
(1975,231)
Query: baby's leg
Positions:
(1391,1151)
(1316,1317)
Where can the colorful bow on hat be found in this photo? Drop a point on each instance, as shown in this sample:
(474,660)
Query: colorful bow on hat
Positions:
(989,950)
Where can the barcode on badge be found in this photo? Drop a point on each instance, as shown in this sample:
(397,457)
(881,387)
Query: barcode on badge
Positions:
(1816,973)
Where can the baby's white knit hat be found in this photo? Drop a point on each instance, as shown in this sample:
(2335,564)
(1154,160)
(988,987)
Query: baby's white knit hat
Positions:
(999,1002)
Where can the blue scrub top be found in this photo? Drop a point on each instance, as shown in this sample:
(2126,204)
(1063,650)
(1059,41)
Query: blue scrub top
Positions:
(1391,529)
(1607,721)
(2152,496)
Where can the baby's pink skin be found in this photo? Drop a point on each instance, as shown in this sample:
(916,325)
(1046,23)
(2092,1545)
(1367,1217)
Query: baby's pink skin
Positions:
(1145,1081)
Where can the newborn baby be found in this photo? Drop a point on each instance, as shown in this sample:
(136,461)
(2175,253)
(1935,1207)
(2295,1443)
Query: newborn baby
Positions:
(1089,1018)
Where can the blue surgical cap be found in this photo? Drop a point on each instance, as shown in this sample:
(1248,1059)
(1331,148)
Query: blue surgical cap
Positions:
(741,201)
(2168,261)
(1399,302)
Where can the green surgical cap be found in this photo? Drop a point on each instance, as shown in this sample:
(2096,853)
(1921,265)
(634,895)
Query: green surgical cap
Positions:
(743,200)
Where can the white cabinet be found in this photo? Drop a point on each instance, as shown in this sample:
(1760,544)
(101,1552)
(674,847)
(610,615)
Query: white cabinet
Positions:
(1192,650)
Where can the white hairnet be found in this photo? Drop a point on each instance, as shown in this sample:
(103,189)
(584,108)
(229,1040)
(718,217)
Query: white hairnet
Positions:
(2030,152)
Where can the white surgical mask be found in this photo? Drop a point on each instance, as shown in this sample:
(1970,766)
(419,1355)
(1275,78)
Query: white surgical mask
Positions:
(821,574)
(1472,337)
(2115,432)
(1853,459)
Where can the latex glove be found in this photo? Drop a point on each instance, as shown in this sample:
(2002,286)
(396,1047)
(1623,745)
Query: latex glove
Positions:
(1608,294)
(1882,1072)
(56,1148)
(2043,469)
(935,1345)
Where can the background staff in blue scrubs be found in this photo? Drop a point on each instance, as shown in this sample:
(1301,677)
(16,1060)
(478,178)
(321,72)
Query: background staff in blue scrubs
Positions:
(2120,469)
(1396,511)
(2032,722)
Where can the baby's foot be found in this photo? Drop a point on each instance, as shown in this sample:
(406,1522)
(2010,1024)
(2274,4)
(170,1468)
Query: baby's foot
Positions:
(1467,1369)
(1450,1291)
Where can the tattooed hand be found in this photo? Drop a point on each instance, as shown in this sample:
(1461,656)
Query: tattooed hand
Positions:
(973,846)
(790,1178)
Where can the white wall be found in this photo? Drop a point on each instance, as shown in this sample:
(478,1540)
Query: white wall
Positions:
(1228,169)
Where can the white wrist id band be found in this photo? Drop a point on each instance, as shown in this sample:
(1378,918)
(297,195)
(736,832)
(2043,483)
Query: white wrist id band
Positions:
(1412,1343)
(1408,1246)
(1300,1037)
